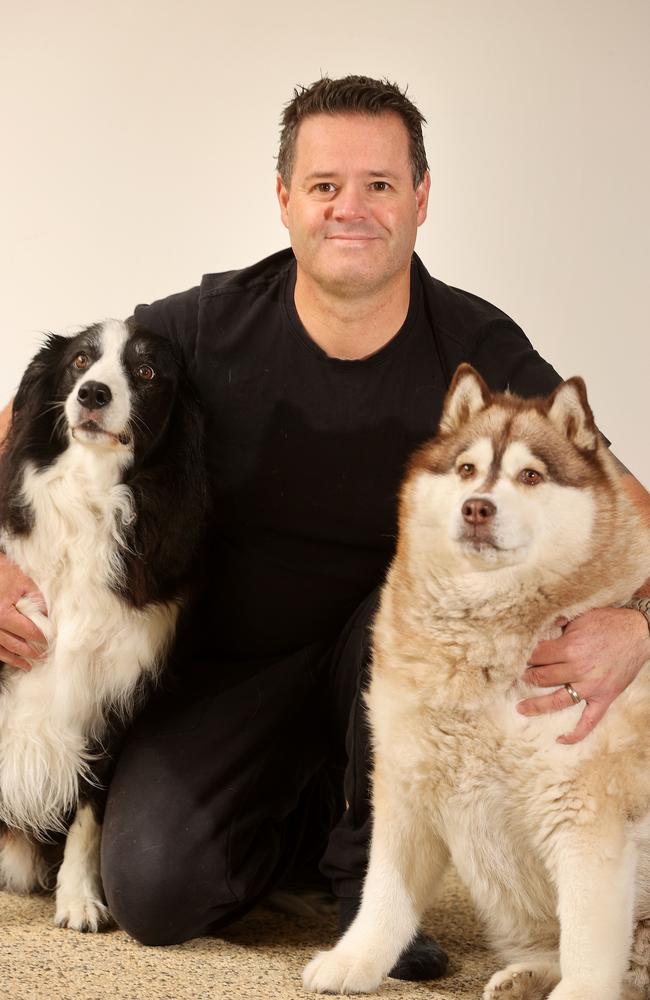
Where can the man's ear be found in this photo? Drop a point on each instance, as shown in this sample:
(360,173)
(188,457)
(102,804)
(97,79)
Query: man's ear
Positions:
(422,197)
(569,410)
(283,200)
(466,396)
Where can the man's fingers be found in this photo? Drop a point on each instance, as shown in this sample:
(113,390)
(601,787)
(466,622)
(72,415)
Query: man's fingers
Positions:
(548,651)
(18,625)
(553,702)
(592,715)
(561,699)
(16,646)
(6,656)
(547,676)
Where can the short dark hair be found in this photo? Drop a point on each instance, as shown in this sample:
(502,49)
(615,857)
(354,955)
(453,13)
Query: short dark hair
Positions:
(356,94)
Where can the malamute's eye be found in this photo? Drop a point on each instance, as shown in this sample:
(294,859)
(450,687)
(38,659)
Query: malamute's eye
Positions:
(145,372)
(466,470)
(81,361)
(530,477)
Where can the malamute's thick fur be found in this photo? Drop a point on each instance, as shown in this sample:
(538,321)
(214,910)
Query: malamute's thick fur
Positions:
(510,518)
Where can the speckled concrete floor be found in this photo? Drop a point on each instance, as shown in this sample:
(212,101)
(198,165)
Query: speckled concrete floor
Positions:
(258,959)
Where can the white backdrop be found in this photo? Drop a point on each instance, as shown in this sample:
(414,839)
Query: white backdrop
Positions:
(139,138)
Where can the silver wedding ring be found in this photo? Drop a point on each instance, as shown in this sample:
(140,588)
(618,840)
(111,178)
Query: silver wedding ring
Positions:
(575,697)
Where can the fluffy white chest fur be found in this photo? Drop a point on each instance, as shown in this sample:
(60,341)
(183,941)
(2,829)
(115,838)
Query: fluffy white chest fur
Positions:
(99,646)
(493,831)
(494,788)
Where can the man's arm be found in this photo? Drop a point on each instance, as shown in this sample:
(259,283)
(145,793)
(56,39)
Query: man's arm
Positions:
(19,637)
(599,653)
(636,492)
(641,500)
(5,420)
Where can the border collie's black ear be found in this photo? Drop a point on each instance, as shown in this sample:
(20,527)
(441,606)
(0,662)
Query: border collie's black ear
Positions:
(35,429)
(33,432)
(467,395)
(37,386)
(171,491)
(187,447)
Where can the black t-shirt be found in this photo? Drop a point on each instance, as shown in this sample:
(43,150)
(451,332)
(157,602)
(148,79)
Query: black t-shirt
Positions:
(306,452)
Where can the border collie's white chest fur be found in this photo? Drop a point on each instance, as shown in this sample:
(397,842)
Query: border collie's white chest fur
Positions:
(103,502)
(99,647)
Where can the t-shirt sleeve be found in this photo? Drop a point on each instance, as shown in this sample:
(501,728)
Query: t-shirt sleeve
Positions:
(507,360)
(175,317)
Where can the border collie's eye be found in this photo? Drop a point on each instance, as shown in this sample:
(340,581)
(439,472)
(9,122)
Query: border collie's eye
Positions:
(530,477)
(145,372)
(466,470)
(81,361)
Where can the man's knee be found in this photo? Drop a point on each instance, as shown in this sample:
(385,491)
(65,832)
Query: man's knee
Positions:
(158,898)
(163,888)
(147,894)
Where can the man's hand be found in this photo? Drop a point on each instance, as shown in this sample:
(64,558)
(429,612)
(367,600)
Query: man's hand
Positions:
(19,637)
(599,654)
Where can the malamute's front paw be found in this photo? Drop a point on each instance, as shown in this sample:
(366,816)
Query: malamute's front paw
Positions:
(82,913)
(519,982)
(339,971)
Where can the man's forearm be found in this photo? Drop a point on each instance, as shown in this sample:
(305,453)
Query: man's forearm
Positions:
(641,500)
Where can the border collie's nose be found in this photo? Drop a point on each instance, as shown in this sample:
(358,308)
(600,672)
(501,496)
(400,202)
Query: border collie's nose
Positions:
(94,395)
(478,511)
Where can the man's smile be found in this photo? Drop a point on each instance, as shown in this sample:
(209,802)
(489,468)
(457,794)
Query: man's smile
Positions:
(352,239)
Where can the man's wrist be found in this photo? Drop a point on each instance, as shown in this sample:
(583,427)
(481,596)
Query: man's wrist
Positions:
(642,605)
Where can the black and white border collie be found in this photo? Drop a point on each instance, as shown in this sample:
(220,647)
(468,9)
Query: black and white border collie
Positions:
(102,503)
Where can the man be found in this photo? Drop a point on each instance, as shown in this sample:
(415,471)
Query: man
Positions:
(320,373)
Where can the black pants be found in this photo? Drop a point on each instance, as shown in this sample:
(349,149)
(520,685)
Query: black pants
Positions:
(230,782)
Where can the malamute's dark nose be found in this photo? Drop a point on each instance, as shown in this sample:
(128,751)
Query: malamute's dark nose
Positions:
(94,395)
(478,511)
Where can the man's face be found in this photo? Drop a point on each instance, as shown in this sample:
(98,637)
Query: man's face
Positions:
(351,210)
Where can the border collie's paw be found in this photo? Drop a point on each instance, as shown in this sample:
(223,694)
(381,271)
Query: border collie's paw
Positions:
(82,914)
(22,867)
(338,971)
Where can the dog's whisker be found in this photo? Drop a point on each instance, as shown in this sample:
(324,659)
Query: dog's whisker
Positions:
(140,423)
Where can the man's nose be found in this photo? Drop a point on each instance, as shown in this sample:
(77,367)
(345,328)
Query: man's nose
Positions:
(349,204)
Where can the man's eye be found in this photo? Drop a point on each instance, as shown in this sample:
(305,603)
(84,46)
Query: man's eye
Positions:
(81,361)
(466,470)
(145,372)
(530,477)
(380,185)
(325,187)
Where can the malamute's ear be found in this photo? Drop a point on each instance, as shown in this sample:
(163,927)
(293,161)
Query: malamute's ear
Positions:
(569,410)
(466,395)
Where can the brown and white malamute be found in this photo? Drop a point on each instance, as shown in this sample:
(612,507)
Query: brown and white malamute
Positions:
(511,517)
